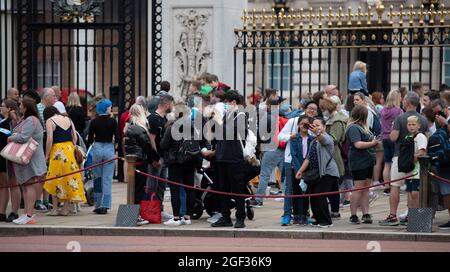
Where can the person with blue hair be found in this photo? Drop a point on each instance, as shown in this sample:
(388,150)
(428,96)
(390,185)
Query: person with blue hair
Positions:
(104,134)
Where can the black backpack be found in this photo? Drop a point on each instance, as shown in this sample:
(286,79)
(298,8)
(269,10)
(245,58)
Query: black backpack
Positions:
(189,150)
(406,154)
(439,148)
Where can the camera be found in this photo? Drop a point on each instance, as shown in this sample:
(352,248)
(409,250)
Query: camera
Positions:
(441,113)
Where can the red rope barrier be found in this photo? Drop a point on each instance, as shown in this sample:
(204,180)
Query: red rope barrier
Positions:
(255,196)
(439,178)
(69,174)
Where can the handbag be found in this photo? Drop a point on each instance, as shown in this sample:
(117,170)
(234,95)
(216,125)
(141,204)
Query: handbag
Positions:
(311,176)
(150,209)
(79,156)
(20,153)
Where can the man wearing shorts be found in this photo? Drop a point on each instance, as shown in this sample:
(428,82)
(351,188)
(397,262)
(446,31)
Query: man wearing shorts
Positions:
(399,131)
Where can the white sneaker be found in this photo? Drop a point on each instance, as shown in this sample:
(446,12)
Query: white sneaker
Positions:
(403,215)
(185,221)
(173,222)
(165,216)
(214,218)
(25,220)
(141,221)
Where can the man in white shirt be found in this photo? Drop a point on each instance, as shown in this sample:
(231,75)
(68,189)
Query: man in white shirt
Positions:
(58,104)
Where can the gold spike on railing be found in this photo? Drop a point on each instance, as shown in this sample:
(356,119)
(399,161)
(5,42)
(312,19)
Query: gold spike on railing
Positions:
(349,16)
(273,18)
(441,14)
(320,16)
(263,18)
(411,14)
(330,16)
(311,17)
(254,18)
(380,11)
(432,14)
(391,14)
(244,18)
(421,14)
(301,17)
(339,17)
(400,15)
(369,15)
(359,16)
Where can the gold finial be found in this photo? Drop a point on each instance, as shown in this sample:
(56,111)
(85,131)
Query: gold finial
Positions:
(411,14)
(380,11)
(263,19)
(391,14)
(330,16)
(273,18)
(339,16)
(320,16)
(244,18)
(254,18)
(432,14)
(441,13)
(369,15)
(359,16)
(400,15)
(301,17)
(349,16)
(421,14)
(280,19)
(311,17)
(291,18)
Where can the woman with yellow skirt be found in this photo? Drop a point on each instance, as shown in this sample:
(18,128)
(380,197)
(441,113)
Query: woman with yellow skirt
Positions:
(60,154)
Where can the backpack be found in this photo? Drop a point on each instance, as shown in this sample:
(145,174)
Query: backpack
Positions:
(406,154)
(189,151)
(376,126)
(439,148)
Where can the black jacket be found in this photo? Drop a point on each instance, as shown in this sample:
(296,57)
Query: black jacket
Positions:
(229,149)
(137,142)
(171,147)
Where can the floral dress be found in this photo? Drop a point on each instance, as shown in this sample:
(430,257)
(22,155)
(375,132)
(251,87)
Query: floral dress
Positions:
(61,162)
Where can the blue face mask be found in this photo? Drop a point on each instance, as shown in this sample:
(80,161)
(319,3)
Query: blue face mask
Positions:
(226,107)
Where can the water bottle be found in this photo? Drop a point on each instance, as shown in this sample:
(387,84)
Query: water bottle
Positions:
(303,185)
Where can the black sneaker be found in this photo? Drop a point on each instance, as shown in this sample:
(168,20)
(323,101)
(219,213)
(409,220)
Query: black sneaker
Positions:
(367,219)
(335,215)
(2,217)
(346,203)
(354,220)
(387,191)
(223,222)
(12,216)
(102,211)
(239,224)
(297,220)
(445,226)
(40,208)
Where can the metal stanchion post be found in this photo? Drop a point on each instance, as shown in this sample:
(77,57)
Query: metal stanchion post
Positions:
(425,163)
(131,173)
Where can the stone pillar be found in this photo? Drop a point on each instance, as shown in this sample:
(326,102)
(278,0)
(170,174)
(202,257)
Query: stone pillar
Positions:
(197,37)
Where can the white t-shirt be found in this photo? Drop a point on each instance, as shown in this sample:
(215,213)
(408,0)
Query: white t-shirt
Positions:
(420,142)
(60,106)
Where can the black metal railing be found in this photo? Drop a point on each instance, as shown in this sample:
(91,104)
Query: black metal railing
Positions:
(321,50)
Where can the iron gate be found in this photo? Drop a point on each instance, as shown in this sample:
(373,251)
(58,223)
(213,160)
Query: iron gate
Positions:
(109,54)
(300,51)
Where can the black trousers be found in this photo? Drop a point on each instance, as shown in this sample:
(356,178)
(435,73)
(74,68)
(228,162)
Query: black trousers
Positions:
(181,173)
(335,199)
(231,179)
(140,182)
(319,205)
(120,173)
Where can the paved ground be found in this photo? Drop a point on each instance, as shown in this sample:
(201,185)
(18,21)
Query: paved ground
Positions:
(202,244)
(266,224)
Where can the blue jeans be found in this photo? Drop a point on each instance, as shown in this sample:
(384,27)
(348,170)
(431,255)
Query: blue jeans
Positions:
(269,161)
(103,175)
(292,187)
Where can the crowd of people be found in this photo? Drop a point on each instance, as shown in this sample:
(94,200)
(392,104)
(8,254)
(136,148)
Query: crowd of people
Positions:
(323,146)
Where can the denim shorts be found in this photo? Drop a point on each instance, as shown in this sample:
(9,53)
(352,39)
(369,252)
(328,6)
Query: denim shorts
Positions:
(412,185)
(389,148)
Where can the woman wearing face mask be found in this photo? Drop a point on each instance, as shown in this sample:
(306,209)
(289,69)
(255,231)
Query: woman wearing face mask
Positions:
(320,159)
(336,123)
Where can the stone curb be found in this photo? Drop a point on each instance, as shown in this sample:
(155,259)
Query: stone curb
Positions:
(221,232)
